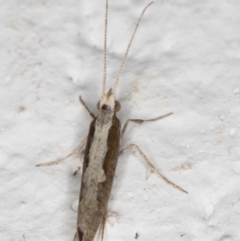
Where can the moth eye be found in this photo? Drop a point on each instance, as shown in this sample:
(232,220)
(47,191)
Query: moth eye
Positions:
(104,107)
(117,106)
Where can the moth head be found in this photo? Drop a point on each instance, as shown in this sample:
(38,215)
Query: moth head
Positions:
(108,102)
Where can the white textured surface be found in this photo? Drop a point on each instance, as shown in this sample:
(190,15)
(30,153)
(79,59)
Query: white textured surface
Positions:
(185,59)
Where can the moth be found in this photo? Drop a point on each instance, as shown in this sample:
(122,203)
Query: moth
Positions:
(102,151)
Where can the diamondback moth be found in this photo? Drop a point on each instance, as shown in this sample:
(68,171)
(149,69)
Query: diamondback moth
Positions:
(102,152)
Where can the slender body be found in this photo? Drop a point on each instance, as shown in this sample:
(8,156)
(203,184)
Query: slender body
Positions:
(100,161)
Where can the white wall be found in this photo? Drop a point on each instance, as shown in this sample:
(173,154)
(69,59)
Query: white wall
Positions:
(184,59)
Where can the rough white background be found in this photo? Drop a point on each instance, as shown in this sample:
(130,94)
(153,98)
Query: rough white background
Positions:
(184,59)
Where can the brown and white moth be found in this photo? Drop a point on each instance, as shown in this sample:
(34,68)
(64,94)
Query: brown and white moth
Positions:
(102,152)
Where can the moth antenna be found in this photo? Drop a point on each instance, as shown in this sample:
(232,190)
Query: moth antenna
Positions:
(128,48)
(105,51)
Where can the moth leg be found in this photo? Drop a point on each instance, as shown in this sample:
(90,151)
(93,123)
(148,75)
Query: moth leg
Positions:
(76,151)
(140,121)
(84,104)
(75,237)
(102,227)
(136,148)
